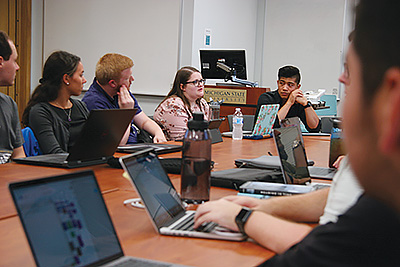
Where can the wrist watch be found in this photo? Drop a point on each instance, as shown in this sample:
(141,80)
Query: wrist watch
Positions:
(308,105)
(242,218)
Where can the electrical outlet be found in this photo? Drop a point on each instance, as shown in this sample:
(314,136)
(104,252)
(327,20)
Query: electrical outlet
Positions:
(335,91)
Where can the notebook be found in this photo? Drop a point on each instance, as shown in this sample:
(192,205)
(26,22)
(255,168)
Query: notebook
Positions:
(293,158)
(77,229)
(264,123)
(96,143)
(162,202)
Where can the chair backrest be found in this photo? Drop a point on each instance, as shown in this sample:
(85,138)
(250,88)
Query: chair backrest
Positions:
(248,122)
(31,145)
(331,101)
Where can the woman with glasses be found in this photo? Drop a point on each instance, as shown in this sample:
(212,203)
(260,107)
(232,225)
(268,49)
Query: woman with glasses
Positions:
(185,97)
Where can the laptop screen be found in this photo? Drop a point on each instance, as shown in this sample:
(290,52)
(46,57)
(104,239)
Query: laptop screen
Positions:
(291,154)
(66,221)
(154,187)
(265,119)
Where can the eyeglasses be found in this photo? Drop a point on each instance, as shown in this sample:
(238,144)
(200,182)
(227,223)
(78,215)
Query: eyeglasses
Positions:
(197,82)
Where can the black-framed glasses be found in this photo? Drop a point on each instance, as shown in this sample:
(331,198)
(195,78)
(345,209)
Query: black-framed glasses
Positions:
(197,82)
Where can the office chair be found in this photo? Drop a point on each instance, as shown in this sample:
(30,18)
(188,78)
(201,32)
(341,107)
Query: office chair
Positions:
(248,122)
(31,145)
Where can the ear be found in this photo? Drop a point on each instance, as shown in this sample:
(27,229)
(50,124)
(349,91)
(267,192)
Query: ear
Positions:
(66,79)
(298,86)
(182,87)
(1,61)
(388,108)
(112,83)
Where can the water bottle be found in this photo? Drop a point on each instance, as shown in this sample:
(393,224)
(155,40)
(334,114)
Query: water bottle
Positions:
(336,144)
(237,123)
(196,161)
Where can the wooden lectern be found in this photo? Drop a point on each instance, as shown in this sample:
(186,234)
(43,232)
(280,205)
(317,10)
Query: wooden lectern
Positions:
(244,98)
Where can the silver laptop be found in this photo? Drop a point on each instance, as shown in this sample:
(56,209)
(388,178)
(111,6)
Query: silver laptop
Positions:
(97,142)
(162,202)
(67,222)
(293,157)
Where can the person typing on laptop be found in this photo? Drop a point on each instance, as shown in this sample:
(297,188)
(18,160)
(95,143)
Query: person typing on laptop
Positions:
(10,129)
(110,90)
(288,212)
(368,234)
(57,119)
(293,102)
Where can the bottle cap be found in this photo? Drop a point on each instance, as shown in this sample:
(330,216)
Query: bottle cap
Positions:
(198,122)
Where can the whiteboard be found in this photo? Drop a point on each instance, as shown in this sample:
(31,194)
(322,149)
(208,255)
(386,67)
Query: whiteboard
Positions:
(145,31)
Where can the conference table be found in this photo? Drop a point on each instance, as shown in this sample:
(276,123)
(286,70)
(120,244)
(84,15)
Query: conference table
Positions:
(135,231)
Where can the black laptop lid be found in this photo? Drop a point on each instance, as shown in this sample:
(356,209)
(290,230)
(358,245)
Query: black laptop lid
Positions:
(292,155)
(101,134)
(66,220)
(154,187)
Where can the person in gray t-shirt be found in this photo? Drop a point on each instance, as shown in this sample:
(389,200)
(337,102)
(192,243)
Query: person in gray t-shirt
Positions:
(10,129)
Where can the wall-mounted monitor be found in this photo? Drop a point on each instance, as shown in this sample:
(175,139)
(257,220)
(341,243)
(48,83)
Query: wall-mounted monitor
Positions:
(234,59)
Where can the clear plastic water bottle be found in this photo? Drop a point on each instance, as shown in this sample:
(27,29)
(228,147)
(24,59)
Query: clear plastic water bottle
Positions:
(237,123)
(336,146)
(196,161)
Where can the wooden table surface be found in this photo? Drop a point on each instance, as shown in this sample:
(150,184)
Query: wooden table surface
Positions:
(134,229)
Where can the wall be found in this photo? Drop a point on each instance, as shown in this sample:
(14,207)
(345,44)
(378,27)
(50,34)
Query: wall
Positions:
(307,34)
(162,36)
(146,31)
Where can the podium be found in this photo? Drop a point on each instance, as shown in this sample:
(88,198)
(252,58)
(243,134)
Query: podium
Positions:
(234,97)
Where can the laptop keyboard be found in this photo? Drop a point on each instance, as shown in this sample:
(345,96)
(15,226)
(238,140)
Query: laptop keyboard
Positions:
(131,262)
(188,222)
(322,171)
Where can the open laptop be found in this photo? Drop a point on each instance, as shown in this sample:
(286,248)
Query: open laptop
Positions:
(216,136)
(96,143)
(295,121)
(264,123)
(67,222)
(162,202)
(293,157)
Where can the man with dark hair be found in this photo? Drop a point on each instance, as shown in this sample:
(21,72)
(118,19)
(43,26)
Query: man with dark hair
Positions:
(368,234)
(292,101)
(10,129)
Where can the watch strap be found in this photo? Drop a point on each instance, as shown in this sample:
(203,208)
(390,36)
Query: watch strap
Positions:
(242,218)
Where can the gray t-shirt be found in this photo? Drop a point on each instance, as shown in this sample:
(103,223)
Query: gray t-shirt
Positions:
(10,128)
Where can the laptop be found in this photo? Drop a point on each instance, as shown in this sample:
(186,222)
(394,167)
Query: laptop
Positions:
(293,158)
(162,202)
(295,121)
(264,123)
(96,143)
(77,229)
(159,148)
(216,136)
